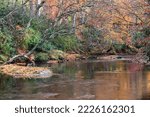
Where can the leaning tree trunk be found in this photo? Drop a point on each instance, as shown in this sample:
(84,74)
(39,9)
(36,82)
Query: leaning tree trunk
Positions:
(27,55)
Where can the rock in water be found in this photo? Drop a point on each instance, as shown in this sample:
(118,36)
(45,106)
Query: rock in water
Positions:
(45,73)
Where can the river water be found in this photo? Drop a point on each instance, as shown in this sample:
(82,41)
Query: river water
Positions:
(113,80)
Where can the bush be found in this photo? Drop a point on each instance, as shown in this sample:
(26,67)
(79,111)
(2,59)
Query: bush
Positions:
(20,18)
(4,9)
(46,46)
(65,43)
(140,36)
(91,33)
(137,37)
(57,54)
(40,57)
(3,58)
(142,40)
(119,47)
(31,38)
(147,47)
(6,43)
(146,32)
(92,37)
(41,23)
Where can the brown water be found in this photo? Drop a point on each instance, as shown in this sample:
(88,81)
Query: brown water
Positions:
(83,80)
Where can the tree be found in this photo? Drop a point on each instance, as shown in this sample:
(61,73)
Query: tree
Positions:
(61,24)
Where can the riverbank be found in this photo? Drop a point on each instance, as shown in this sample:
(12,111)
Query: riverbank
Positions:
(18,70)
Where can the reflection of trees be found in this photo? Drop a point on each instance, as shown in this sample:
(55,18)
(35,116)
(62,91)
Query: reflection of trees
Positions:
(93,80)
(6,83)
(68,69)
(122,84)
(88,70)
(146,88)
(10,87)
(111,80)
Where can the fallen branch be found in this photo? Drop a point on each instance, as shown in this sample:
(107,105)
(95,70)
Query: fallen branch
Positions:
(16,57)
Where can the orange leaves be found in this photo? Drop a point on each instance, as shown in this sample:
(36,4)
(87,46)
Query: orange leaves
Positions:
(25,72)
(18,27)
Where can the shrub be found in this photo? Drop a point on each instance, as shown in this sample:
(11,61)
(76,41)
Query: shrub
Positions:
(56,54)
(146,32)
(119,47)
(147,47)
(46,46)
(140,36)
(91,33)
(41,57)
(92,36)
(20,18)
(31,38)
(142,40)
(137,37)
(3,58)
(41,23)
(6,43)
(66,43)
(4,9)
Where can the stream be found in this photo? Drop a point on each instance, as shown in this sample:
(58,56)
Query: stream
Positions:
(91,79)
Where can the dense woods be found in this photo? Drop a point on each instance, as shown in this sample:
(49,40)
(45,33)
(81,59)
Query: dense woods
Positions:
(75,49)
(42,30)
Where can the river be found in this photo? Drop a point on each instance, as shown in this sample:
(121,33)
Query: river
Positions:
(91,79)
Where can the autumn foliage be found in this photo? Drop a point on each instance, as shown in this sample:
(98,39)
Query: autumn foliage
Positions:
(81,26)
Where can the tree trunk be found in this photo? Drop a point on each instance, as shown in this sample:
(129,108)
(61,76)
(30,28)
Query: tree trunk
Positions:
(32,8)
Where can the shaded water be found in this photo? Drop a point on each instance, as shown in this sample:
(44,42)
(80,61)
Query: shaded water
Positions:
(83,80)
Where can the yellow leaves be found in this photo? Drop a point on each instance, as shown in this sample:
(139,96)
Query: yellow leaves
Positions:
(25,72)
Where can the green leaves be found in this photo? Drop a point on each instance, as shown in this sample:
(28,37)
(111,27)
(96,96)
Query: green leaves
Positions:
(31,38)
(91,33)
(66,43)
(42,57)
(6,43)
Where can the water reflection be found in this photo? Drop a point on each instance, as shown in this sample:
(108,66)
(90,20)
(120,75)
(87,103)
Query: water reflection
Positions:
(83,80)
